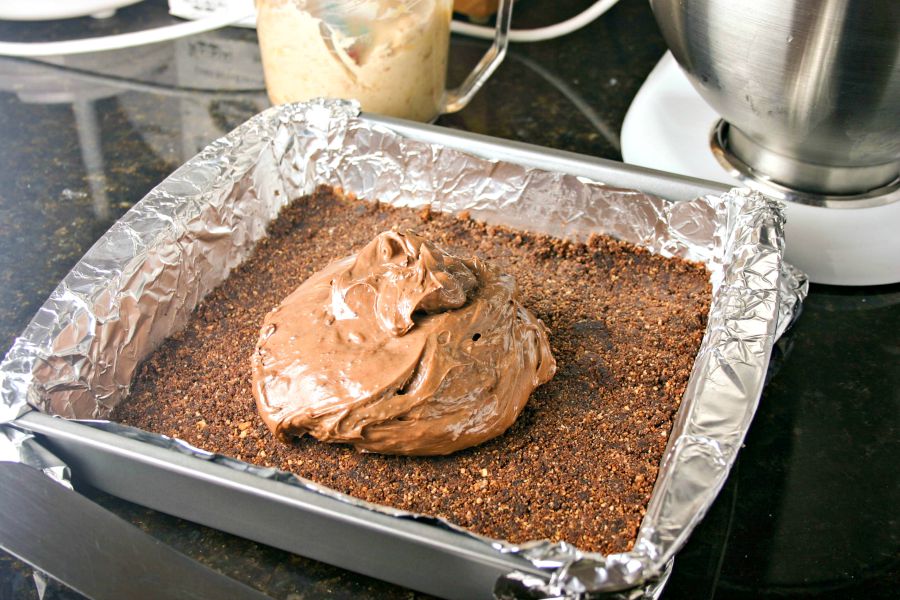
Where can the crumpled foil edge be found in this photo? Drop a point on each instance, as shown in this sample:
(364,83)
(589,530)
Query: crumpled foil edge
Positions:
(140,282)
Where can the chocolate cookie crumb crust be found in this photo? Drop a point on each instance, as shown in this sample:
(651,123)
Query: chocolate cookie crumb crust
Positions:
(580,462)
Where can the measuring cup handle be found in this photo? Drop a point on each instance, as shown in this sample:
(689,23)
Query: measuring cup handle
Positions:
(456,99)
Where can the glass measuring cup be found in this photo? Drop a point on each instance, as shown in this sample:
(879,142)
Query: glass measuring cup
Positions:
(390,55)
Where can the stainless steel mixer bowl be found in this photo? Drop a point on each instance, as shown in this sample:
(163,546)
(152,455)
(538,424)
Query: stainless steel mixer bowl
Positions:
(810,88)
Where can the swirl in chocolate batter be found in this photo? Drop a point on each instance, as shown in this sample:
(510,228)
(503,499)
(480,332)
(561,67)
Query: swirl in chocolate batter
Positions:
(400,349)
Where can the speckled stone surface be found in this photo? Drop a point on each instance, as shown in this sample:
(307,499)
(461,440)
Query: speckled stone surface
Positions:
(810,508)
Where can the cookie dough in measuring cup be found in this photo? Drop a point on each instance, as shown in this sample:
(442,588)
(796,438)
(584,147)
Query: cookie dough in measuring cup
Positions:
(390,55)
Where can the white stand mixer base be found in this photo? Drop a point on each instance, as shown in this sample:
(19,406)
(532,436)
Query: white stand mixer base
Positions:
(668,127)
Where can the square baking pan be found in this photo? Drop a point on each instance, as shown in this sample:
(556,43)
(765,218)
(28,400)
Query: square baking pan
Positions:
(140,282)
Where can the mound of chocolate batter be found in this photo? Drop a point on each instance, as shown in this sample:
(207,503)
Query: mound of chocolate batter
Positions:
(401,348)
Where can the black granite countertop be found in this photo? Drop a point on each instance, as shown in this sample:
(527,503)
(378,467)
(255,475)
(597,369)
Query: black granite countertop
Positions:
(810,507)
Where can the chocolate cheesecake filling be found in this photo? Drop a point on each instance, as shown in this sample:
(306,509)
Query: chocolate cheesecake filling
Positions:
(400,349)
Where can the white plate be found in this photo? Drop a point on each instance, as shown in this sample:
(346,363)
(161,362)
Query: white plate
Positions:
(43,10)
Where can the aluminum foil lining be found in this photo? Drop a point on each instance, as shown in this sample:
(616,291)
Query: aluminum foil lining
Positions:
(143,278)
